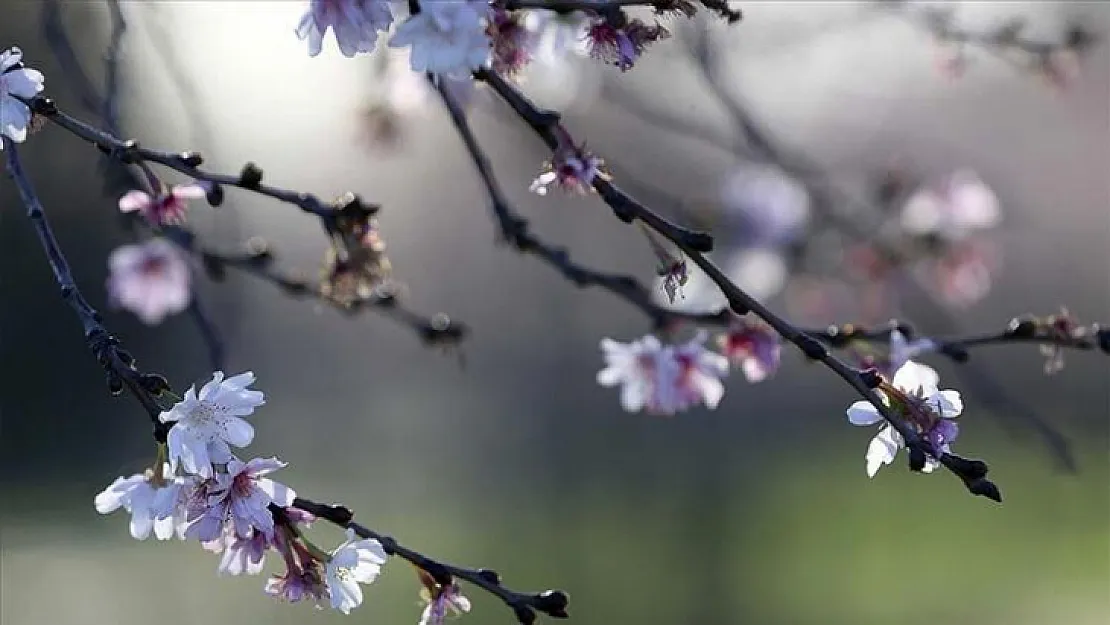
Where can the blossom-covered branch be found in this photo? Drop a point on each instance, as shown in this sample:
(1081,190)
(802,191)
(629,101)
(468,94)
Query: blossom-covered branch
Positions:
(547,126)
(515,230)
(937,224)
(686,7)
(198,489)
(347,220)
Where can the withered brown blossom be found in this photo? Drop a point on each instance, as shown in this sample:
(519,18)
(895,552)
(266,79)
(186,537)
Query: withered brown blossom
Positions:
(356,264)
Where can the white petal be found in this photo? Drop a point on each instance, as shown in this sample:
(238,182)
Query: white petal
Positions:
(913,376)
(711,389)
(239,382)
(189,192)
(141,524)
(25,83)
(634,395)
(882,449)
(278,493)
(923,212)
(975,205)
(133,201)
(237,431)
(117,493)
(611,376)
(950,403)
(863,413)
(211,386)
(10,57)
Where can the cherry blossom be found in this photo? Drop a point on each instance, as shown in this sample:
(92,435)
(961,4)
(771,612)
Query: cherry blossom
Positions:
(151,280)
(355,24)
(238,501)
(16,81)
(754,346)
(663,379)
(573,169)
(513,42)
(440,601)
(622,45)
(139,495)
(963,204)
(356,561)
(297,584)
(446,38)
(243,555)
(206,424)
(168,208)
(914,395)
(764,206)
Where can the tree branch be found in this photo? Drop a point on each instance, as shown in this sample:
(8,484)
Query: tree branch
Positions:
(546,123)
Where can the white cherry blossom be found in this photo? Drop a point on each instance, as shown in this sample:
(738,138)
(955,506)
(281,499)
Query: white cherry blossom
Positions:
(917,399)
(205,425)
(356,561)
(355,24)
(447,37)
(664,379)
(23,82)
(142,498)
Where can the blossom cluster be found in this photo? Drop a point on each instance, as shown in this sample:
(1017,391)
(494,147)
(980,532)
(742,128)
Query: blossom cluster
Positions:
(666,379)
(452,38)
(199,489)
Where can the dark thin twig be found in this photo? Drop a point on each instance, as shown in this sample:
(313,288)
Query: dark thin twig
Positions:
(514,229)
(258,261)
(547,126)
(116,362)
(826,198)
(524,605)
(130,152)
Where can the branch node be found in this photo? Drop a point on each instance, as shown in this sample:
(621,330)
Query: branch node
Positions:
(811,347)
(553,603)
(191,159)
(490,576)
(44,106)
(250,177)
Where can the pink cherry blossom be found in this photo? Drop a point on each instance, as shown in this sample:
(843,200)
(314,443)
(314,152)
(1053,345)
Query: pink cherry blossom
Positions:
(238,501)
(151,280)
(754,347)
(167,208)
(663,379)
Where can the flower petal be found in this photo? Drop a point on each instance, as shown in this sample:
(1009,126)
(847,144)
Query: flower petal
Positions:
(863,413)
(948,403)
(882,449)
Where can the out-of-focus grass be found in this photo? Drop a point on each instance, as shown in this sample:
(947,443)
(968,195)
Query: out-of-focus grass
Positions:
(807,539)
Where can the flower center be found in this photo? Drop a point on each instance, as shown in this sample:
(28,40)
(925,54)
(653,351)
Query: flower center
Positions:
(152,266)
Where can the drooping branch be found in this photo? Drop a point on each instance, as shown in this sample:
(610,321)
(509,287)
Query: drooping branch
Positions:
(145,387)
(547,125)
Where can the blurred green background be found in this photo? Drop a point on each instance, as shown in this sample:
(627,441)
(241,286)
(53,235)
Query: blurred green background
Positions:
(758,512)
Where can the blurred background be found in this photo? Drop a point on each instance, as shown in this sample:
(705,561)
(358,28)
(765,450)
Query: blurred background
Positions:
(757,512)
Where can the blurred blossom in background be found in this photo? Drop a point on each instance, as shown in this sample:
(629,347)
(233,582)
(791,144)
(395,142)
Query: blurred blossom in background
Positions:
(759,511)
